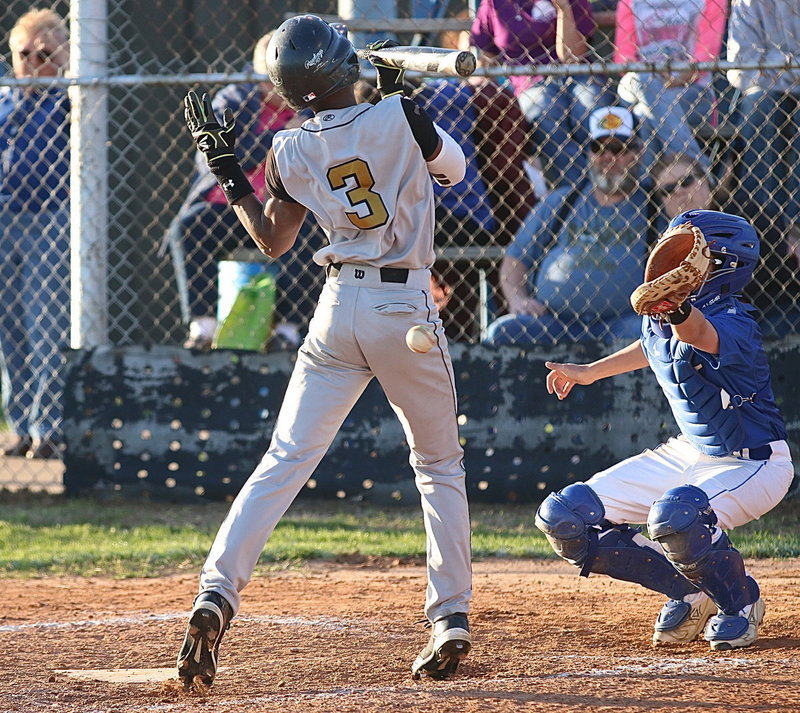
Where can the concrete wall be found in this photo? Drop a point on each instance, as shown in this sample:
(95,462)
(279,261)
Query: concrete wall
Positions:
(168,422)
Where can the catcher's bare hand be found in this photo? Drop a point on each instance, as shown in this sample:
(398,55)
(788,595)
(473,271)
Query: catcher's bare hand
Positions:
(563,377)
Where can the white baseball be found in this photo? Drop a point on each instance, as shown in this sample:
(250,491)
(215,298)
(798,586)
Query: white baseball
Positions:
(420,338)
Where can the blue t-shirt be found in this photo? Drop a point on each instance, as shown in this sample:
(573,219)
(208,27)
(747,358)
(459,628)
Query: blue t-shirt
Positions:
(595,260)
(34,149)
(739,374)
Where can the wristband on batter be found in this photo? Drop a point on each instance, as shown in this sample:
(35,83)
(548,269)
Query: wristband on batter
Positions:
(231,179)
(680,315)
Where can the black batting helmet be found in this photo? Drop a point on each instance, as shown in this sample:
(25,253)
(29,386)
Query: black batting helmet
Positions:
(308,60)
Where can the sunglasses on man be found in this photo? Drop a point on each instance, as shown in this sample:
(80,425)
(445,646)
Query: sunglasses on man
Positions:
(614,147)
(688,180)
(41,55)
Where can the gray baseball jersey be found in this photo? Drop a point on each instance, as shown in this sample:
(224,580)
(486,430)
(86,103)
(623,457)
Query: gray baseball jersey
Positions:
(361,171)
(375,205)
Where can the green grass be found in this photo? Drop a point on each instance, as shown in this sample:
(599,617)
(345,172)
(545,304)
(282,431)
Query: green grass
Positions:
(42,535)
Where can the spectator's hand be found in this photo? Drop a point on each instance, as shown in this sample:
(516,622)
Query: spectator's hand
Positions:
(215,141)
(563,377)
(524,304)
(680,79)
(391,80)
(441,292)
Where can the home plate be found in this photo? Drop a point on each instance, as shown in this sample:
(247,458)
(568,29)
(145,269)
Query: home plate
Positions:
(121,675)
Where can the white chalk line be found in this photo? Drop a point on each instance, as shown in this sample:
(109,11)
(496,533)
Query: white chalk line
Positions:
(329,623)
(634,665)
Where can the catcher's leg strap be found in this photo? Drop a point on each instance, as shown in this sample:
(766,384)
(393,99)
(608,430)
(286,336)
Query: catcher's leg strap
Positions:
(624,553)
(682,522)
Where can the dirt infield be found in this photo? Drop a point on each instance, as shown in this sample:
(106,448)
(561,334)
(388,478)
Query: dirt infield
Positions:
(341,638)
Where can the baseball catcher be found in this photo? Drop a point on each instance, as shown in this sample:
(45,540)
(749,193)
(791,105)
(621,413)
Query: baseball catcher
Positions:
(729,464)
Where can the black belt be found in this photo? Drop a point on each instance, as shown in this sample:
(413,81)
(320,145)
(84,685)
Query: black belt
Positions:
(388,274)
(760,453)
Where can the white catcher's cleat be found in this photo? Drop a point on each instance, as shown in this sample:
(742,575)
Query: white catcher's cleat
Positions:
(683,620)
(726,632)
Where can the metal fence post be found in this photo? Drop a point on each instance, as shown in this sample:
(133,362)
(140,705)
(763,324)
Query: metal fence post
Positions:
(89,175)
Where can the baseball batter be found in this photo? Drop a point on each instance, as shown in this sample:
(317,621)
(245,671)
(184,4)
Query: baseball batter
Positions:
(729,465)
(365,172)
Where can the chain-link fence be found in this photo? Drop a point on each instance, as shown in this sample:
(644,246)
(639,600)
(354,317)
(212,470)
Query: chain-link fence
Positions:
(543,241)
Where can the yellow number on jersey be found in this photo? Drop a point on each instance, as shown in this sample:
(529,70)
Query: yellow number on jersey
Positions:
(360,193)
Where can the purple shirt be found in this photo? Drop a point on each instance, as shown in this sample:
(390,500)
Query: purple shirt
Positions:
(524,32)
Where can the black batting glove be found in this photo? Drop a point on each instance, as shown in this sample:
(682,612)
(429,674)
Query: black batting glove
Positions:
(391,80)
(216,142)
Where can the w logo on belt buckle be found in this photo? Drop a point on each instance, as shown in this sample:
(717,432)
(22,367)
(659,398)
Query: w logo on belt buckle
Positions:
(359,274)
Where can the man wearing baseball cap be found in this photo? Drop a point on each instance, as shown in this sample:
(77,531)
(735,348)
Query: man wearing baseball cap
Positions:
(575,260)
(611,121)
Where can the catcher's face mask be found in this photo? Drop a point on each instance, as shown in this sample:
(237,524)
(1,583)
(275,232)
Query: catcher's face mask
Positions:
(734,248)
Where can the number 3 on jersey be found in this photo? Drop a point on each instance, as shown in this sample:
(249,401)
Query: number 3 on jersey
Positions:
(361,194)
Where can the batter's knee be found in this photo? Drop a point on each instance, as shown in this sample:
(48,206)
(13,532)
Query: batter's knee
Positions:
(566,516)
(681,521)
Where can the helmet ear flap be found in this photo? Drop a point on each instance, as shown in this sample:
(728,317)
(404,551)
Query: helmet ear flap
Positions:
(734,247)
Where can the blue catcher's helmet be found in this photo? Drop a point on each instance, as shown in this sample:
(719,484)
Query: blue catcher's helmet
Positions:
(734,247)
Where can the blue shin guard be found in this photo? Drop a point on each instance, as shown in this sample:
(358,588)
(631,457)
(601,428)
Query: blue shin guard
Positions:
(682,522)
(573,522)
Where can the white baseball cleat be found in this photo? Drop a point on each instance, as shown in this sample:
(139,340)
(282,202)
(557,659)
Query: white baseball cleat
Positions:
(683,620)
(726,631)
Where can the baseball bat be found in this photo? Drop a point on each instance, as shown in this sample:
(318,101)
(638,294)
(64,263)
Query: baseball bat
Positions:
(435,60)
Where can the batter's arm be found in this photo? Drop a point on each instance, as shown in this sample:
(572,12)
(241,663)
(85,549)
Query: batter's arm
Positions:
(563,377)
(274,225)
(444,158)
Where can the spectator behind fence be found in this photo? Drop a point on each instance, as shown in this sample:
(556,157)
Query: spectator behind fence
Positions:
(670,103)
(681,184)
(574,262)
(769,155)
(487,207)
(34,250)
(547,32)
(206,230)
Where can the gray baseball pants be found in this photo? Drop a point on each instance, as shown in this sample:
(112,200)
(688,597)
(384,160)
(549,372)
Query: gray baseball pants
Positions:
(358,331)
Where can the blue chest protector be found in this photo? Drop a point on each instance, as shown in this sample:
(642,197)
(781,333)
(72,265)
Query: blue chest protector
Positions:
(721,403)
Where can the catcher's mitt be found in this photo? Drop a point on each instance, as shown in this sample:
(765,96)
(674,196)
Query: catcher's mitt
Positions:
(677,266)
